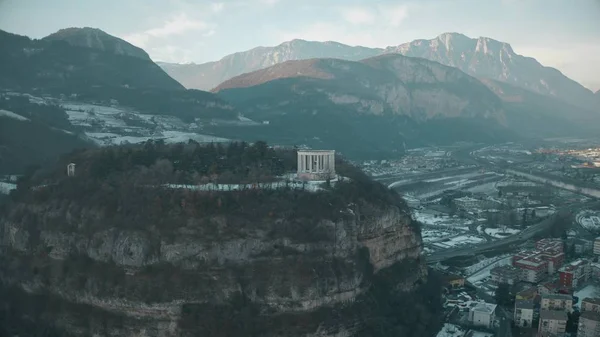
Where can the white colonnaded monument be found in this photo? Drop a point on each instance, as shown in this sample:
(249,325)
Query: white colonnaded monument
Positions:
(316,164)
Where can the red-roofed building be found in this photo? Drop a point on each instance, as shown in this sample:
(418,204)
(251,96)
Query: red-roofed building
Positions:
(545,259)
(574,273)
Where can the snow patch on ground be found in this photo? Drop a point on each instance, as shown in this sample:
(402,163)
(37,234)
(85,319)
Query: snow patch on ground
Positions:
(10,114)
(311,186)
(588,219)
(588,291)
(451,330)
(500,233)
(460,240)
(430,219)
(5,188)
(485,272)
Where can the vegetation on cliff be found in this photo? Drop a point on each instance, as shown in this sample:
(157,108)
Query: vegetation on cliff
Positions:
(284,261)
(127,180)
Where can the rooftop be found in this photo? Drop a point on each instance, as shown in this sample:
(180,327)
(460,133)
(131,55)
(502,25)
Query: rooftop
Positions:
(484,307)
(591,315)
(505,269)
(593,300)
(319,151)
(524,304)
(555,315)
(557,297)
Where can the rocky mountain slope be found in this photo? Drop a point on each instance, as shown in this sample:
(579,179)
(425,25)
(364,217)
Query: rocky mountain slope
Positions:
(382,103)
(482,58)
(536,115)
(206,76)
(487,58)
(66,65)
(97,39)
(108,254)
(95,87)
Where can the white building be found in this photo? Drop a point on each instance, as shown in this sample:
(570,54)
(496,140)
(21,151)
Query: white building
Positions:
(71,170)
(316,164)
(483,314)
(589,324)
(557,302)
(597,246)
(552,322)
(524,313)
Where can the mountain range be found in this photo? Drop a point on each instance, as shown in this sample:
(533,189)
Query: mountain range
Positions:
(384,102)
(364,102)
(482,58)
(208,75)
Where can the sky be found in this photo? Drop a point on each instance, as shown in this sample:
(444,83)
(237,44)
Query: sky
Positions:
(564,34)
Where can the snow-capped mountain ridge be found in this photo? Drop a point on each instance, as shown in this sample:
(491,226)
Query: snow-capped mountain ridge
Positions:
(485,57)
(207,76)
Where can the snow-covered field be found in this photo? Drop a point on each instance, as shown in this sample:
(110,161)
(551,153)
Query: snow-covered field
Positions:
(587,291)
(115,124)
(5,188)
(429,235)
(451,330)
(440,220)
(484,272)
(458,241)
(589,219)
(502,232)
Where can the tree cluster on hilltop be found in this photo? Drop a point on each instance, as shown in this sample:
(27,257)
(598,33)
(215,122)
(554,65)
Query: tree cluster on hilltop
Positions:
(131,185)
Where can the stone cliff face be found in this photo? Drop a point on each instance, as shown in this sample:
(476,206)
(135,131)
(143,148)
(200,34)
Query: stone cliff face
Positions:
(105,278)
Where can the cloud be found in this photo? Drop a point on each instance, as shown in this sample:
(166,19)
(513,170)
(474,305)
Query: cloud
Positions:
(358,16)
(217,7)
(170,53)
(176,25)
(209,33)
(269,2)
(396,15)
(383,15)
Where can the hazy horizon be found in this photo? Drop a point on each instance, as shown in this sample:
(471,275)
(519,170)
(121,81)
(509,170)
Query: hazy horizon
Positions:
(554,32)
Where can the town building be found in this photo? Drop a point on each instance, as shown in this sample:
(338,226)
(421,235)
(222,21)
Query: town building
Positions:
(597,246)
(535,264)
(589,324)
(523,313)
(590,304)
(552,322)
(548,288)
(575,273)
(505,274)
(580,246)
(316,164)
(530,293)
(557,302)
(531,269)
(483,314)
(549,243)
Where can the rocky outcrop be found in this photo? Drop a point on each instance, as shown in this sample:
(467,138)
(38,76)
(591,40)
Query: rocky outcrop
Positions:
(97,39)
(182,275)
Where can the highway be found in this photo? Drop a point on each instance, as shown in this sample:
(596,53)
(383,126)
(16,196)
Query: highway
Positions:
(523,236)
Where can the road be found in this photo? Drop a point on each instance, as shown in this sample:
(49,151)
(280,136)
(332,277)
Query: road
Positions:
(523,236)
